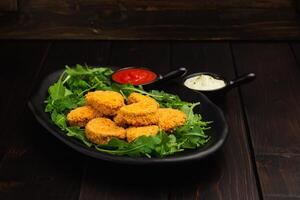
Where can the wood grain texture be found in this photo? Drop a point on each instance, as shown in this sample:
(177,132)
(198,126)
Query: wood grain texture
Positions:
(278,82)
(8,5)
(37,165)
(281,175)
(103,180)
(155,5)
(76,52)
(281,198)
(295,46)
(156,55)
(297,4)
(158,20)
(16,62)
(233,163)
(272,108)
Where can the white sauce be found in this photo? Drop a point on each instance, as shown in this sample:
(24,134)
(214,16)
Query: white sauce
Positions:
(204,82)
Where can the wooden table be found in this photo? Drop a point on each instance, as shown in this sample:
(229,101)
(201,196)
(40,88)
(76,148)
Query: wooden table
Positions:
(260,159)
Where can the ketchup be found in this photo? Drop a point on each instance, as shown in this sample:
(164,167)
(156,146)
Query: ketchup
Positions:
(134,76)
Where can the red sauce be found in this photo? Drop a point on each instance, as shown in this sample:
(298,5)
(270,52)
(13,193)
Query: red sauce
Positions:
(134,76)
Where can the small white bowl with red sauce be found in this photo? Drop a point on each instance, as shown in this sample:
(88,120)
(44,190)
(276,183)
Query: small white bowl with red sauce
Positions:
(144,76)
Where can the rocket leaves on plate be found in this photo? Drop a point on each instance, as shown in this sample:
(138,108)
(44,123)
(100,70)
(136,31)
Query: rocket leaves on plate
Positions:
(68,93)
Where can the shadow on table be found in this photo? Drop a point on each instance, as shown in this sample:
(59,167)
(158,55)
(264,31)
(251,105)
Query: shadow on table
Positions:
(168,174)
(99,174)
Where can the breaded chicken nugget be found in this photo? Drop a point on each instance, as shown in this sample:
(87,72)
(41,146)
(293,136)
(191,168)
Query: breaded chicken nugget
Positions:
(137,114)
(142,120)
(134,132)
(101,130)
(137,109)
(137,97)
(105,102)
(170,118)
(104,122)
(81,115)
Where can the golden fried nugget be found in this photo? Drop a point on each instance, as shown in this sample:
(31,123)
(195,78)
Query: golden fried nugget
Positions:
(141,120)
(137,97)
(118,119)
(134,132)
(170,118)
(105,102)
(141,108)
(81,115)
(104,122)
(101,130)
(137,114)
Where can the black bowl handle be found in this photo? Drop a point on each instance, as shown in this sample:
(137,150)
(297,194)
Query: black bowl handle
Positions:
(245,78)
(174,74)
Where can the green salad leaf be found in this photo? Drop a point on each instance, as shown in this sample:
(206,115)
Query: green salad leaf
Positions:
(68,93)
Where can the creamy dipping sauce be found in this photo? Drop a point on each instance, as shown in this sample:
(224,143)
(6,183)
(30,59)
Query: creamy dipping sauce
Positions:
(204,82)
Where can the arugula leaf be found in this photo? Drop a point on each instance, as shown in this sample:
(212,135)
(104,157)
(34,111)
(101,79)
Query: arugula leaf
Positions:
(59,119)
(68,93)
(191,135)
(141,146)
(57,91)
(68,102)
(79,70)
(78,133)
(83,79)
(168,144)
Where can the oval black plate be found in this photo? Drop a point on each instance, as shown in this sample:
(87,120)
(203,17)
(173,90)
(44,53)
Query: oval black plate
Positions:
(208,110)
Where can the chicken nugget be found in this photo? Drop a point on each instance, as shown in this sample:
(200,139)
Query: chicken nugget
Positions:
(134,132)
(137,97)
(141,120)
(101,130)
(105,102)
(170,118)
(81,115)
(137,109)
(137,114)
(118,119)
(104,122)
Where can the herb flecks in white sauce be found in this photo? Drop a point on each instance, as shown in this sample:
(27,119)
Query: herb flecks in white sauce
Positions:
(204,82)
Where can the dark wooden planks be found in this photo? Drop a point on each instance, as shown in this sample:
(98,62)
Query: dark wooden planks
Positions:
(16,63)
(159,20)
(20,64)
(272,109)
(229,175)
(278,82)
(281,175)
(155,5)
(8,5)
(297,4)
(76,52)
(280,198)
(46,173)
(296,50)
(37,165)
(150,54)
(112,181)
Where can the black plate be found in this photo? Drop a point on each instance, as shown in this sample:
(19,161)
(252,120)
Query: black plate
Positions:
(207,109)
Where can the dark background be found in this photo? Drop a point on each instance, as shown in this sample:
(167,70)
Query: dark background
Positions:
(150,19)
(259,160)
